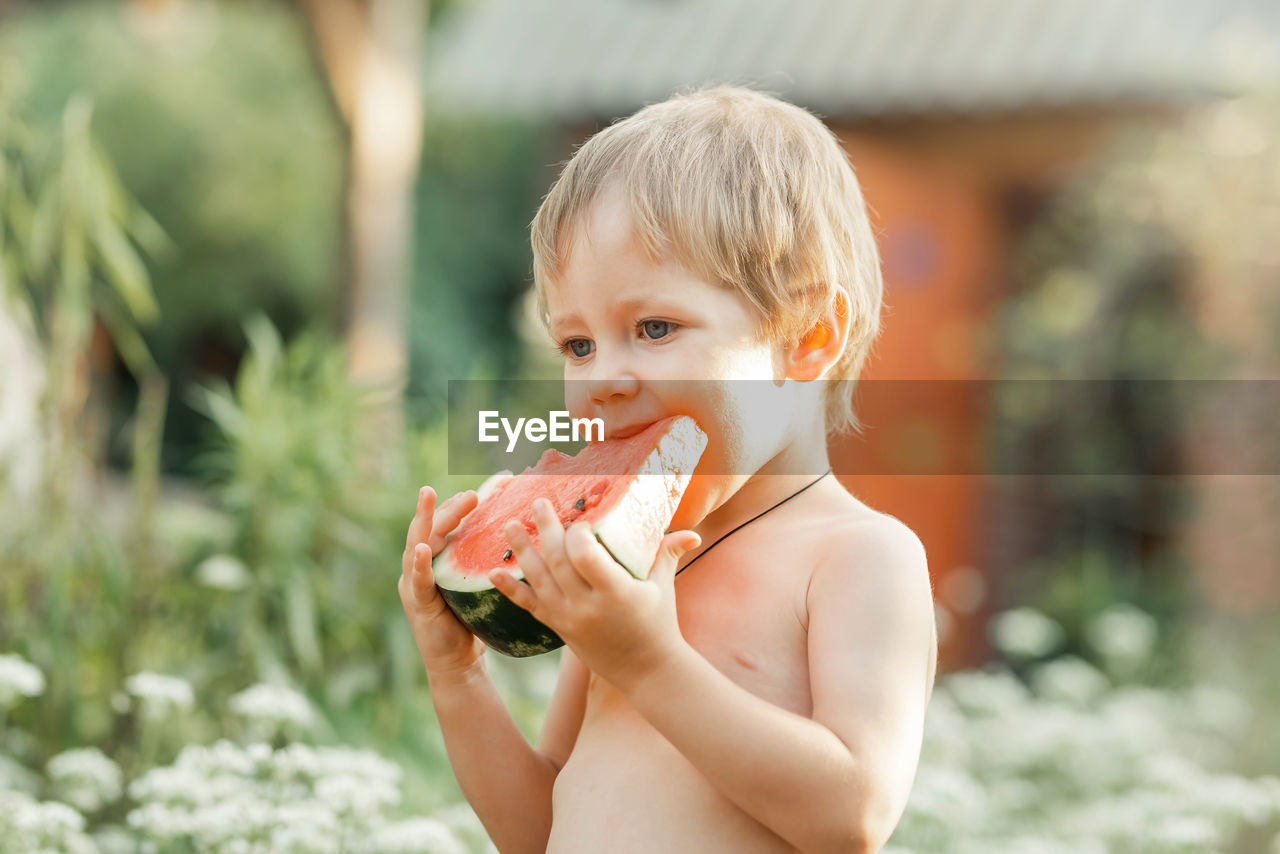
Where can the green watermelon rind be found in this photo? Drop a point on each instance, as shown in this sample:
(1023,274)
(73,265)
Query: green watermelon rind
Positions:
(631,532)
(501,623)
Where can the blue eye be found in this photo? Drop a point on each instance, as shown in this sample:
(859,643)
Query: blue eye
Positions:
(656,329)
(579,347)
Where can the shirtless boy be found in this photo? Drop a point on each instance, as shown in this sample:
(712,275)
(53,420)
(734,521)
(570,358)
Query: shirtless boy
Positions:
(772,698)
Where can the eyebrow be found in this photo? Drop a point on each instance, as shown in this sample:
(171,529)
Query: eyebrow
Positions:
(553,322)
(630,304)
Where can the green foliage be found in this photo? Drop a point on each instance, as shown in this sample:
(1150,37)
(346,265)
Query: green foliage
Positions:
(219,123)
(69,238)
(66,216)
(1151,265)
(480,182)
(70,235)
(283,570)
(222,128)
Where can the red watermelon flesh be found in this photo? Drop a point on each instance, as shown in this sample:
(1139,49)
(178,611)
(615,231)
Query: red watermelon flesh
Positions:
(627,489)
(580,488)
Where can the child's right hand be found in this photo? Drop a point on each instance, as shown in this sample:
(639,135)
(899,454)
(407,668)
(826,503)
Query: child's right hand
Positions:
(446,645)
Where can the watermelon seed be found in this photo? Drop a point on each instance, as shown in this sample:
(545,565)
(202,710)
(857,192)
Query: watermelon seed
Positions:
(506,555)
(580,504)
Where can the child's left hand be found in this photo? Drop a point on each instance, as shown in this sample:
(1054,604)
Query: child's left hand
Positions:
(620,627)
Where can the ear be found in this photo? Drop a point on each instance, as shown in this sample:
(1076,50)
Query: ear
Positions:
(820,348)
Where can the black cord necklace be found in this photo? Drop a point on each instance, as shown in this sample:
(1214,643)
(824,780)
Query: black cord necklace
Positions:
(752,519)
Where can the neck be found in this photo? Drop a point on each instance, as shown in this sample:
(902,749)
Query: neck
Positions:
(729,500)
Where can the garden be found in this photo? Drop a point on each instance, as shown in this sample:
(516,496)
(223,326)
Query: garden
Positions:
(202,506)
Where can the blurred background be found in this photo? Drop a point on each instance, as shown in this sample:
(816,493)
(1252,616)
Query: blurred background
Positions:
(245,244)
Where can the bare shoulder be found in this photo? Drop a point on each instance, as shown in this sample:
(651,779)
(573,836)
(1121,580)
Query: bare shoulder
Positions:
(851,539)
(872,571)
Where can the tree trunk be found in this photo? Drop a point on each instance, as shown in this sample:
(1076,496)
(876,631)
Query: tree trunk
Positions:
(371,51)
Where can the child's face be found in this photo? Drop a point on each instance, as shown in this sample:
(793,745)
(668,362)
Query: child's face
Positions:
(627,325)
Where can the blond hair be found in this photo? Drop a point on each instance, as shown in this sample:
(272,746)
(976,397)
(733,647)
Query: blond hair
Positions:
(747,191)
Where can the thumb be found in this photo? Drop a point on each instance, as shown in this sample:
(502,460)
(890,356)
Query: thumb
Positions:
(672,548)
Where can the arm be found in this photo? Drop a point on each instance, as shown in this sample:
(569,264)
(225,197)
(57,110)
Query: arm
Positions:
(840,781)
(507,782)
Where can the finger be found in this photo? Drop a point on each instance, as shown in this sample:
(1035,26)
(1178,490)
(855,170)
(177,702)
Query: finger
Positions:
(550,530)
(517,591)
(449,516)
(426,600)
(529,558)
(568,576)
(424,581)
(420,528)
(594,565)
(670,550)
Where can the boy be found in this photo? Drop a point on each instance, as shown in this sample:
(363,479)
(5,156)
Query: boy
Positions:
(771,699)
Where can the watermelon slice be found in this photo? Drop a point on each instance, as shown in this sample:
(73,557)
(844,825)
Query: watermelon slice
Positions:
(628,489)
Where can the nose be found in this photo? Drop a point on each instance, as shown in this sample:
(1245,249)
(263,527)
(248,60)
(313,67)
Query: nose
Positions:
(612,390)
(610,381)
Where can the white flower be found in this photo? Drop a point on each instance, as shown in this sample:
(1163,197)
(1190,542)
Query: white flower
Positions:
(114,839)
(28,825)
(1025,633)
(986,692)
(1218,708)
(1185,831)
(13,775)
(1027,844)
(1069,679)
(270,709)
(942,791)
(416,836)
(18,678)
(160,695)
(85,778)
(1270,785)
(222,572)
(355,796)
(1124,633)
(297,800)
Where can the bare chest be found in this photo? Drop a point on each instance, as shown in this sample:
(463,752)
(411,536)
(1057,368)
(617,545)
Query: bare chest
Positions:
(744,612)
(625,782)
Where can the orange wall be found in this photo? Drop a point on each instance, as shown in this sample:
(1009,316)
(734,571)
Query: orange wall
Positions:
(941,242)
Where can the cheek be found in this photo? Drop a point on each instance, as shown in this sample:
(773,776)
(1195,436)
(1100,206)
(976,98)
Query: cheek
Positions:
(752,413)
(744,422)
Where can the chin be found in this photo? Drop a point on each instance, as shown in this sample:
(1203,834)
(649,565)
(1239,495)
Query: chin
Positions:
(705,493)
(694,505)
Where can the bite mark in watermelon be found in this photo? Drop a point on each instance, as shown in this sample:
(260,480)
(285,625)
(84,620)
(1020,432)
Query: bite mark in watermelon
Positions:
(627,489)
